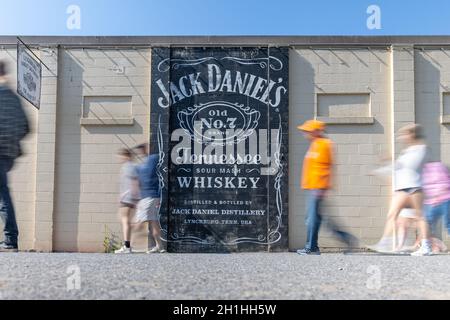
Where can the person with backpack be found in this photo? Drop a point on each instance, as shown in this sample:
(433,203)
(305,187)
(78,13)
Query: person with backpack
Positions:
(13,128)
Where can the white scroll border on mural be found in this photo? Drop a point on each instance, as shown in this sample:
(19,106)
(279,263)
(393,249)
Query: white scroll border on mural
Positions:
(273,63)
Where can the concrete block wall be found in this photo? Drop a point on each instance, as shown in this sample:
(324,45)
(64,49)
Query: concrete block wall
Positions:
(65,187)
(403,74)
(87,169)
(45,154)
(358,201)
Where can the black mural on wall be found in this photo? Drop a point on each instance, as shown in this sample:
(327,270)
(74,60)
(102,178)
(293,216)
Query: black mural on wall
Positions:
(219,121)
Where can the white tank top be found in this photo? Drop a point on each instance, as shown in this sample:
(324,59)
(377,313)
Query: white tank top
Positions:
(408,167)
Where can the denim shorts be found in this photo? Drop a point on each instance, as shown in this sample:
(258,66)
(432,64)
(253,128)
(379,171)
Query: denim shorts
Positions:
(434,213)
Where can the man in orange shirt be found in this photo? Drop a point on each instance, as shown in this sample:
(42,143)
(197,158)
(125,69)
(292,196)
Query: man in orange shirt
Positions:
(316,179)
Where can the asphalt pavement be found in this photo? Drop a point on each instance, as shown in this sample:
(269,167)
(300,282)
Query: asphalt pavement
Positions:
(222,276)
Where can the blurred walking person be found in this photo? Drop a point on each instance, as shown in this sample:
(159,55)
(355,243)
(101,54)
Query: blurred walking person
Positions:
(148,206)
(408,189)
(406,220)
(13,128)
(141,152)
(316,180)
(129,196)
(436,185)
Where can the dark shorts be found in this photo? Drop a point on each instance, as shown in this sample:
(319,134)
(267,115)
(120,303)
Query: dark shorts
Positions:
(410,190)
(127,205)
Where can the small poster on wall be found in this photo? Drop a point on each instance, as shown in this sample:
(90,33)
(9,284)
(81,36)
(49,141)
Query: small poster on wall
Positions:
(29,75)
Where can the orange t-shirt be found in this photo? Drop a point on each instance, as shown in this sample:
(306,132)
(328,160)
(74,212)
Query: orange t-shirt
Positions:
(317,165)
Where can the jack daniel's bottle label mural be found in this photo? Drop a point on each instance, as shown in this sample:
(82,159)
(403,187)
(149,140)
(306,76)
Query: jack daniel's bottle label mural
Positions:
(219,121)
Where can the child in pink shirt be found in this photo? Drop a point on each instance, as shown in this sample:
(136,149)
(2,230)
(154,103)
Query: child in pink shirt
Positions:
(436,186)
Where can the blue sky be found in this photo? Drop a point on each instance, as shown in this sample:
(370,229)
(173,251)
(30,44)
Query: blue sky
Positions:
(224,17)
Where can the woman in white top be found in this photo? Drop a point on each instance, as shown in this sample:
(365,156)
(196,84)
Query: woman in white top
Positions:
(408,185)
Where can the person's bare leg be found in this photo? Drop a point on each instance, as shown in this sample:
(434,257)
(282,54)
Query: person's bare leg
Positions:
(426,245)
(418,236)
(151,241)
(416,200)
(399,201)
(125,218)
(156,232)
(402,227)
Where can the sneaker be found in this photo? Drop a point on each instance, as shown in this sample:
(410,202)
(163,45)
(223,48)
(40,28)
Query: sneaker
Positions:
(156,250)
(384,245)
(424,250)
(123,250)
(308,252)
(153,250)
(4,247)
(438,246)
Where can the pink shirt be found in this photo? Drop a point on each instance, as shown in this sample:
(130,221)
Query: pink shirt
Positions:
(436,183)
